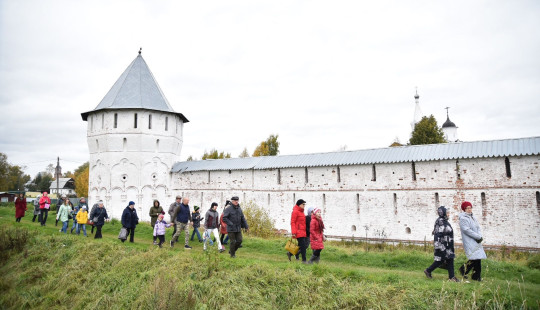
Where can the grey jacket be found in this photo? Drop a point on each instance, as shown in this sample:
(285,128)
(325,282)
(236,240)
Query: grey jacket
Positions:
(470,233)
(234,217)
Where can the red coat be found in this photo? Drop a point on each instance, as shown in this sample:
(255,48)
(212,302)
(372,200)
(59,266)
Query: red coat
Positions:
(223,228)
(316,234)
(298,222)
(43,201)
(20,207)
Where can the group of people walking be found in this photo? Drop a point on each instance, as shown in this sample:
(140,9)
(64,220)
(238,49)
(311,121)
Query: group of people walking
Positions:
(231,223)
(307,230)
(443,243)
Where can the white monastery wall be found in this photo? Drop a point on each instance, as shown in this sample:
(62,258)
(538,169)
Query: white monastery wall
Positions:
(391,203)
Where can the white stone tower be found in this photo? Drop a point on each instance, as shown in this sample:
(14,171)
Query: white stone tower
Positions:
(449,129)
(417,110)
(134,138)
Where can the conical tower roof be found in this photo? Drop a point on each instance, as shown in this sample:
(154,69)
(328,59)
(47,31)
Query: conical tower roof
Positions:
(136,88)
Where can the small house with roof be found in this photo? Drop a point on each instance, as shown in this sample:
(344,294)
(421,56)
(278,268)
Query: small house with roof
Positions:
(66,186)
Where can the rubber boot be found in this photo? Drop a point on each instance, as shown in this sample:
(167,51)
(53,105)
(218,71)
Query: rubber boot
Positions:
(317,259)
(312,259)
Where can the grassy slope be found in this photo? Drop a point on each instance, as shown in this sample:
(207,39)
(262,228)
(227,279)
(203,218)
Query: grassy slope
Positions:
(68,271)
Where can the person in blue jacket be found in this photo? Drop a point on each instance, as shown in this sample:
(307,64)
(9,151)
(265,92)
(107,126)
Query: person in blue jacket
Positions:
(130,220)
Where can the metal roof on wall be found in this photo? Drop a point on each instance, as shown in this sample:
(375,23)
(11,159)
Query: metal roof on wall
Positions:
(416,153)
(136,88)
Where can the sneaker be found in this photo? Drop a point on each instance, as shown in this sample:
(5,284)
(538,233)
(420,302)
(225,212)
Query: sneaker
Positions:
(155,243)
(172,243)
(187,247)
(221,250)
(454,279)
(233,256)
(428,274)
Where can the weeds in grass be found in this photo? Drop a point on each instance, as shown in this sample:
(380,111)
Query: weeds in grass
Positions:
(259,221)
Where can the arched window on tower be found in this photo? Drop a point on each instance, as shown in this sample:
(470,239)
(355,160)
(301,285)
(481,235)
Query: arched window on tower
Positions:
(150,121)
(125,144)
(102,121)
(115,120)
(166,124)
(135,121)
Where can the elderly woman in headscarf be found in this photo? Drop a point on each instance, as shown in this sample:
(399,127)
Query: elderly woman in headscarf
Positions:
(472,238)
(444,246)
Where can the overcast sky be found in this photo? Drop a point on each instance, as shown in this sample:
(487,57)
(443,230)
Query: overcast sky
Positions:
(321,74)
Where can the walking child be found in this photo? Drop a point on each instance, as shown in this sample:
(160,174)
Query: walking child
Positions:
(159,229)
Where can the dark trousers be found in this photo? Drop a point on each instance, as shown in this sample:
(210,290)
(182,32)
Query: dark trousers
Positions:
(161,239)
(236,241)
(317,253)
(98,232)
(303,244)
(476,266)
(450,264)
(130,233)
(34,218)
(226,238)
(18,220)
(93,226)
(43,216)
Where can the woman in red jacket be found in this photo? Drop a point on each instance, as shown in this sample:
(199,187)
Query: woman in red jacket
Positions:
(20,207)
(316,236)
(298,229)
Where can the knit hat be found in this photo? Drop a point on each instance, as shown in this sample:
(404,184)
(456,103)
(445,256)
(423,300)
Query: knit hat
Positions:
(214,204)
(160,216)
(84,207)
(309,210)
(316,210)
(300,201)
(465,204)
(195,208)
(131,203)
(228,202)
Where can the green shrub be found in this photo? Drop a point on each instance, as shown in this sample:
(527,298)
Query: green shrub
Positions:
(534,262)
(260,223)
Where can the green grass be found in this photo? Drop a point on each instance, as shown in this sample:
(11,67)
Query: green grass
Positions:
(53,270)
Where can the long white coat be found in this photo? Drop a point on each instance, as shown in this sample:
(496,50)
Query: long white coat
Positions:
(470,232)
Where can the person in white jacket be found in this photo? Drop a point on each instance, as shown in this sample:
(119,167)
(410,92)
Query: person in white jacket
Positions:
(472,242)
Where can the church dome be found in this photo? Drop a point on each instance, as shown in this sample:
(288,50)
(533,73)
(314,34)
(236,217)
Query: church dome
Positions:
(448,123)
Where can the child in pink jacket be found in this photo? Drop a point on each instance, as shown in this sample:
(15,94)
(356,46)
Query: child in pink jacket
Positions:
(159,229)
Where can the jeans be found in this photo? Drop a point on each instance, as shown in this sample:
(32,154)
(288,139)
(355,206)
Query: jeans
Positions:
(450,264)
(303,244)
(236,241)
(196,231)
(64,227)
(43,216)
(209,239)
(161,240)
(74,226)
(226,238)
(98,232)
(83,228)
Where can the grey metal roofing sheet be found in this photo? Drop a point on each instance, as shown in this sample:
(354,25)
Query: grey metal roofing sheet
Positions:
(136,88)
(459,150)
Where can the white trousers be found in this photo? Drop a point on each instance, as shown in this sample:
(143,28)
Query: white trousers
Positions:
(216,234)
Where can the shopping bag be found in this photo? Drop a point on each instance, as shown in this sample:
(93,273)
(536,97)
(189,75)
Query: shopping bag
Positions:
(292,247)
(123,234)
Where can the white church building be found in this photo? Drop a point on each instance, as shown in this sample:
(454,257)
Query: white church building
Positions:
(135,139)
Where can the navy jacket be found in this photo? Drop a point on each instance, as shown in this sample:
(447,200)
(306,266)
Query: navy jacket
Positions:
(130,218)
(182,214)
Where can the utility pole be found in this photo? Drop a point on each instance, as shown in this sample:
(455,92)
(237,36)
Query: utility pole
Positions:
(58,172)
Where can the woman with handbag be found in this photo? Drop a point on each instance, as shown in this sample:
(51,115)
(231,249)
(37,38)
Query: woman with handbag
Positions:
(316,236)
(130,221)
(63,214)
(298,230)
(443,244)
(44,205)
(98,217)
(472,238)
